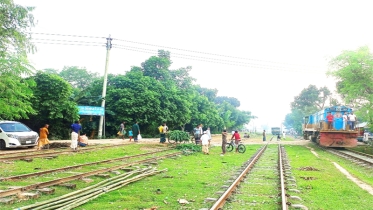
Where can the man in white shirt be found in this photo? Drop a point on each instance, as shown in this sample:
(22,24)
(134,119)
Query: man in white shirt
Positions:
(344,116)
(352,118)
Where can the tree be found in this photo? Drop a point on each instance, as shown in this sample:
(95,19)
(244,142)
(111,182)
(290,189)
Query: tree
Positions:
(79,78)
(15,42)
(233,101)
(311,99)
(52,100)
(15,21)
(354,73)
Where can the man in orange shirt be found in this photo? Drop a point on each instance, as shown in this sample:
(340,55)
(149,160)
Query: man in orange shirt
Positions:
(43,137)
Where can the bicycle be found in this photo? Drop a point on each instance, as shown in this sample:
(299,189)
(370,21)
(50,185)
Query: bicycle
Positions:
(231,145)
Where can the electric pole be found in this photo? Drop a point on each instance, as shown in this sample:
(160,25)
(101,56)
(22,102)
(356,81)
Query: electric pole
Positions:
(103,97)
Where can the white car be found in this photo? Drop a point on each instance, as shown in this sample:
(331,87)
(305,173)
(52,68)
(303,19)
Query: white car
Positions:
(15,134)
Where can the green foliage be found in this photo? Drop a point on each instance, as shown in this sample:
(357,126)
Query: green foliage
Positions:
(231,100)
(309,101)
(354,73)
(79,78)
(189,149)
(15,92)
(15,22)
(52,100)
(178,135)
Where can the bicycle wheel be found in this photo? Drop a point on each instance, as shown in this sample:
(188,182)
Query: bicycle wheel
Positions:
(241,148)
(230,147)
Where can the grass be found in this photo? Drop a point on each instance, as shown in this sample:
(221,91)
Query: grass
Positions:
(327,188)
(365,149)
(196,177)
(193,178)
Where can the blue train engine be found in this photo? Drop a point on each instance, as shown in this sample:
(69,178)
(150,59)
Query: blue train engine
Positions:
(315,127)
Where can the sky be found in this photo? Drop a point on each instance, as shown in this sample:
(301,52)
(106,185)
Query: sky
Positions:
(261,52)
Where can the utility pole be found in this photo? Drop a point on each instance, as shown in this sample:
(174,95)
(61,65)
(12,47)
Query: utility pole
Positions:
(103,97)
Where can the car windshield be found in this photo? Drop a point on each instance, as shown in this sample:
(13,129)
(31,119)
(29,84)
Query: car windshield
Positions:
(14,127)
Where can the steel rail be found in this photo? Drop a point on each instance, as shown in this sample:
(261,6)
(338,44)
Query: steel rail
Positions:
(46,154)
(360,153)
(350,156)
(76,166)
(79,176)
(221,201)
(28,151)
(282,181)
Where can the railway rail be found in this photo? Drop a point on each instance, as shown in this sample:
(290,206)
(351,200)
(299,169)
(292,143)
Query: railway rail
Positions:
(77,166)
(281,176)
(357,157)
(15,191)
(37,154)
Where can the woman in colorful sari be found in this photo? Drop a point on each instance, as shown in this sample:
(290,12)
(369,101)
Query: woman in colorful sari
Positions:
(43,137)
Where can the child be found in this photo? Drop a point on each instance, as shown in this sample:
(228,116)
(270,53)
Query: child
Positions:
(130,134)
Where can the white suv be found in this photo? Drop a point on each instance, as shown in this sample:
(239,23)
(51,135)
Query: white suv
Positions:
(15,134)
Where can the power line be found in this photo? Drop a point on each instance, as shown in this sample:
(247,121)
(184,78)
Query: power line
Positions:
(174,48)
(206,53)
(230,64)
(70,35)
(60,40)
(63,43)
(199,57)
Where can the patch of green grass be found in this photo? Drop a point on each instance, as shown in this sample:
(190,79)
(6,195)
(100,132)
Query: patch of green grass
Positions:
(327,188)
(194,177)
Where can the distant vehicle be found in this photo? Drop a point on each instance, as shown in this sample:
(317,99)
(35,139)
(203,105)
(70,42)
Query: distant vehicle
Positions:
(276,130)
(15,134)
(315,127)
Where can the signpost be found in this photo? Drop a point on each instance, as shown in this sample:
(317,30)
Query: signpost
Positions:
(91,110)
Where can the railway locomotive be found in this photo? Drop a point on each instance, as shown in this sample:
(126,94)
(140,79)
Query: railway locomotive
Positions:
(315,127)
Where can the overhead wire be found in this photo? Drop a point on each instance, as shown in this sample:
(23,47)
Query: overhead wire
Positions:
(214,54)
(205,58)
(225,63)
(180,49)
(69,35)
(63,43)
(174,54)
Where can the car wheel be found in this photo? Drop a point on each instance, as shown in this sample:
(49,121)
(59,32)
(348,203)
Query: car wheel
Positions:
(2,145)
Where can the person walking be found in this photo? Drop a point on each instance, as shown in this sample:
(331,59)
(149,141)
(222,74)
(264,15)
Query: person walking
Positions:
(75,129)
(163,131)
(122,130)
(43,137)
(130,134)
(197,134)
(205,143)
(283,134)
(136,131)
(224,135)
(264,135)
(208,132)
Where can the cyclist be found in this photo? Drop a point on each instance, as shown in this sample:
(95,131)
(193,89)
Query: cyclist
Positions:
(237,139)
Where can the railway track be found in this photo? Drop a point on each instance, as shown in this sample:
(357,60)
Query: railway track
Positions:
(22,176)
(37,154)
(264,177)
(359,158)
(59,181)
